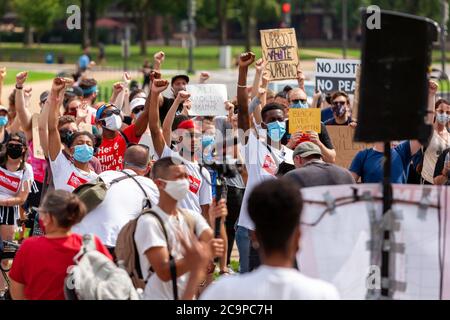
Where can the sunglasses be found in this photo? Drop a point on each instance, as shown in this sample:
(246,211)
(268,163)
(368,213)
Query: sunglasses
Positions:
(138,109)
(297,101)
(338,103)
(110,112)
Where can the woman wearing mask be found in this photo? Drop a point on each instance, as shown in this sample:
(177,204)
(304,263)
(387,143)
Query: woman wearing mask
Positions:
(68,174)
(440,141)
(16,177)
(40,266)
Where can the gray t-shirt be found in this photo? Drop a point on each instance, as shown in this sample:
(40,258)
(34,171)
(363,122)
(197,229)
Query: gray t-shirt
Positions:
(319,173)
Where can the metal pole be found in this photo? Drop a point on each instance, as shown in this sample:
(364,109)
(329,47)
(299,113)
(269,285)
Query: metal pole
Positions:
(344,28)
(191,26)
(444,9)
(387,205)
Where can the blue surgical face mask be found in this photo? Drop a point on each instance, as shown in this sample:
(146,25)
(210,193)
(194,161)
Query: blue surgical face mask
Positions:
(442,118)
(276,130)
(299,105)
(3,121)
(83,153)
(207,140)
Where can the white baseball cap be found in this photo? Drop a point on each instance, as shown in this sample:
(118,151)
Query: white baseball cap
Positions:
(137,102)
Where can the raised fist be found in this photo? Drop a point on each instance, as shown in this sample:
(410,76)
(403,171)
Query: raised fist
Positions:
(183,95)
(21,77)
(246,59)
(159,57)
(159,85)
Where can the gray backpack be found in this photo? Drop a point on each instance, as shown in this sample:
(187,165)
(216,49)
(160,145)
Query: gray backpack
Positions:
(95,277)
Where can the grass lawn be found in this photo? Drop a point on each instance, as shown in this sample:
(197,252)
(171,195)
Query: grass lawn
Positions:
(32,76)
(205,57)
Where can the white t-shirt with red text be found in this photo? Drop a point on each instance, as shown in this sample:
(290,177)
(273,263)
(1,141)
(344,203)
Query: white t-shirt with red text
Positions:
(199,184)
(68,177)
(11,183)
(111,151)
(262,164)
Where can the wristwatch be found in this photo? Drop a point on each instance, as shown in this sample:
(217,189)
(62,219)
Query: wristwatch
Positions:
(19,88)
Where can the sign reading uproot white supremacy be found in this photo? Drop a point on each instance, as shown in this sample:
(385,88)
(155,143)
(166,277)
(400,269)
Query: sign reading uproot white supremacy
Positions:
(208,99)
(336,75)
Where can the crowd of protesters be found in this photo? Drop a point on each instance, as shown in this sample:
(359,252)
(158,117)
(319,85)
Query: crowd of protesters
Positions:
(146,147)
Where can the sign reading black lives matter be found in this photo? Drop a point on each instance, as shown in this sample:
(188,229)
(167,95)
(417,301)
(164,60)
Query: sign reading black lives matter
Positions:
(208,99)
(336,75)
(280,51)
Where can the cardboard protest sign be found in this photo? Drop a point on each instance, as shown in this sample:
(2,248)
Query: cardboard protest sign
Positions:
(304,120)
(336,75)
(208,99)
(38,153)
(346,148)
(280,51)
(355,105)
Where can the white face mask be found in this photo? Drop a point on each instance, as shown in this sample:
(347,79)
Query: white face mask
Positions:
(113,123)
(177,189)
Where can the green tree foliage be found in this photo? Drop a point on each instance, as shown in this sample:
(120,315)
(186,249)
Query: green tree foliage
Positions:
(38,15)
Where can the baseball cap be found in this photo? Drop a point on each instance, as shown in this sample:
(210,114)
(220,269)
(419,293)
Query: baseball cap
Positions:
(74,92)
(306,149)
(137,102)
(180,76)
(44,96)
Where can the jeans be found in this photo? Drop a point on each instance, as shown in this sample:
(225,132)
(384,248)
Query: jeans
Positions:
(243,244)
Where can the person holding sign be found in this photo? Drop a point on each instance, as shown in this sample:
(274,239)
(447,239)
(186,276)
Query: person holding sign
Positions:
(263,152)
(297,100)
(341,111)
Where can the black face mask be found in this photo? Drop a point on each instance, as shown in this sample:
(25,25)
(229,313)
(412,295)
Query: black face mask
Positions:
(14,151)
(66,136)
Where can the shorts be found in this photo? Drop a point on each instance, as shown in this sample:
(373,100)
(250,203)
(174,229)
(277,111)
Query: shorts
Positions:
(8,215)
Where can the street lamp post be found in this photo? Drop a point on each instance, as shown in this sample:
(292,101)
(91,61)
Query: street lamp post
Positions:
(191,26)
(445,16)
(344,28)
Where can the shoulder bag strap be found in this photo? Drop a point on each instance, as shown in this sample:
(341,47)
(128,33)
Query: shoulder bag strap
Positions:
(149,204)
(124,137)
(172,265)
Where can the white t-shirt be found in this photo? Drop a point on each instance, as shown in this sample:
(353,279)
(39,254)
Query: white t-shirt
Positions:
(149,234)
(11,183)
(261,165)
(270,283)
(123,202)
(199,184)
(435,148)
(68,177)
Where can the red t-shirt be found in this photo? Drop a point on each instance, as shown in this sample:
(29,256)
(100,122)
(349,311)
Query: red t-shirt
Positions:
(111,151)
(41,265)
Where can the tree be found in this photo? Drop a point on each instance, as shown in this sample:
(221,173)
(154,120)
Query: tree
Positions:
(37,16)
(221,6)
(96,9)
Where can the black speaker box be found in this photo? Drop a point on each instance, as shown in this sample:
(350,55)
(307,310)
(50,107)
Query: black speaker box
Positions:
(395,61)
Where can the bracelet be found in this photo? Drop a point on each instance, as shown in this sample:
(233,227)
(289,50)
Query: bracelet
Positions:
(19,88)
(242,86)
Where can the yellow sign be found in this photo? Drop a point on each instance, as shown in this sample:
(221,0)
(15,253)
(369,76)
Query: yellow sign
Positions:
(304,120)
(280,51)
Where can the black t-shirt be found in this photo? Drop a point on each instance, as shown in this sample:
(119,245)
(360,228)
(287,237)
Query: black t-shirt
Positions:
(323,136)
(440,164)
(167,103)
(332,122)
